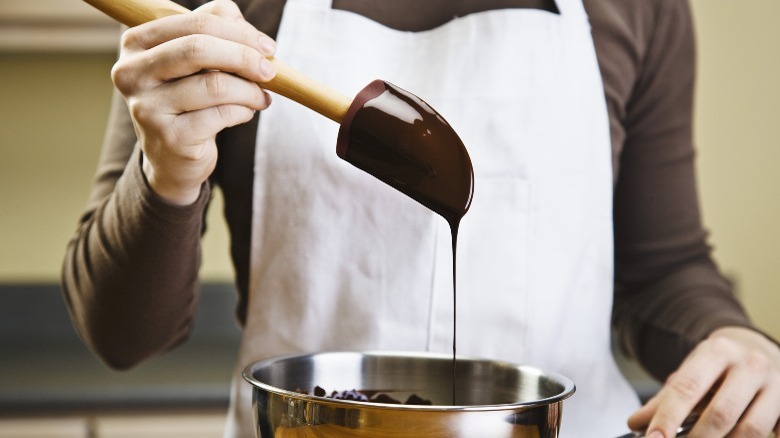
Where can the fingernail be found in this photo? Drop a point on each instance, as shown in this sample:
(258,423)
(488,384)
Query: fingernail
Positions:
(267,69)
(267,46)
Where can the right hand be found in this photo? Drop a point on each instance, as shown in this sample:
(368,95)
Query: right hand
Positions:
(185,78)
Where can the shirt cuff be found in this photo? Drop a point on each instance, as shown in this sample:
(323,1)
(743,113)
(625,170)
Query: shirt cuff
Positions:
(159,206)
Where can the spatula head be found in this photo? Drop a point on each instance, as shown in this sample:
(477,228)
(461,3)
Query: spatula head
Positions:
(400,139)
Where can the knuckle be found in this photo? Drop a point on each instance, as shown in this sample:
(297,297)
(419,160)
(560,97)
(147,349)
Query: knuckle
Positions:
(225,112)
(227,8)
(146,117)
(249,59)
(138,110)
(750,429)
(120,76)
(232,115)
(757,362)
(229,114)
(723,415)
(195,47)
(685,386)
(125,75)
(127,39)
(195,154)
(722,346)
(201,23)
(129,77)
(131,38)
(216,84)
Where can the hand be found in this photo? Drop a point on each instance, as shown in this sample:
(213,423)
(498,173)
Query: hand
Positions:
(739,370)
(185,78)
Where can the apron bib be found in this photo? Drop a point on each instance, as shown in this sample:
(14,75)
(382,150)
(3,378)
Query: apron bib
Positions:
(341,261)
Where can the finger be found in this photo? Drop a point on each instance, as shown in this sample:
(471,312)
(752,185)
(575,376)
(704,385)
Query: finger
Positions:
(154,33)
(176,111)
(205,124)
(641,418)
(186,56)
(689,384)
(211,88)
(190,137)
(762,415)
(157,108)
(744,380)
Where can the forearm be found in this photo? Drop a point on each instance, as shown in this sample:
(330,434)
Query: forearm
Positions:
(130,272)
(669,295)
(661,322)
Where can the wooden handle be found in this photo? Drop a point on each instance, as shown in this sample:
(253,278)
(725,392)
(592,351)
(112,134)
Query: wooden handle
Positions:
(288,82)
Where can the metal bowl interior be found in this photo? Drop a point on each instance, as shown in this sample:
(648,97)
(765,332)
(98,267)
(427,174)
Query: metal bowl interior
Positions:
(492,398)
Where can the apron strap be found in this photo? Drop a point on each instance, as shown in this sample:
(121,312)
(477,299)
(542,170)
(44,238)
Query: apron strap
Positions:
(572,9)
(317,3)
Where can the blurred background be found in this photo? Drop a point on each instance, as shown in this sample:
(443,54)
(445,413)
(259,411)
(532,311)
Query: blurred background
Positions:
(55,61)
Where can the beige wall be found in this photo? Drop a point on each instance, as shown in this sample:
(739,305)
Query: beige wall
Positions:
(52,118)
(51,114)
(738,138)
(53,111)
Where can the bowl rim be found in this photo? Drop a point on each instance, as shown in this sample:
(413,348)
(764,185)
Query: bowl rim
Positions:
(568,385)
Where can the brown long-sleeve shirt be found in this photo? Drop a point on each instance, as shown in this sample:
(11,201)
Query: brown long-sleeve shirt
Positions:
(130,272)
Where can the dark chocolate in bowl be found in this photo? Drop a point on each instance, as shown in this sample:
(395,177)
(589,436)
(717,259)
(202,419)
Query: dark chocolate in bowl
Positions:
(498,399)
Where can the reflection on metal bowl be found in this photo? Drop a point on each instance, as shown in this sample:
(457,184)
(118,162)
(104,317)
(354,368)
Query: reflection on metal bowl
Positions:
(493,399)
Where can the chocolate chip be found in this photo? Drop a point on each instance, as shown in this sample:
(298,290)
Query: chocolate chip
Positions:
(369,396)
(415,399)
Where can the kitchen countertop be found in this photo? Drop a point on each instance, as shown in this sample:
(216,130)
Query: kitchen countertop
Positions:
(45,368)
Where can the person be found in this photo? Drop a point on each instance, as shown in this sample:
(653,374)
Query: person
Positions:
(577,115)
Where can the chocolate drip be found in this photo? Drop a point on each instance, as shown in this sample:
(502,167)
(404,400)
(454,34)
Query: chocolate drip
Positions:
(401,140)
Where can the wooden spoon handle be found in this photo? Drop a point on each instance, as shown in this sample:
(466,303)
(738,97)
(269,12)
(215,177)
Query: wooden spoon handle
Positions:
(288,82)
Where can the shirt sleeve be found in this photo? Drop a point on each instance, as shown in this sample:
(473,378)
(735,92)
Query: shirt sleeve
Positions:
(130,270)
(669,294)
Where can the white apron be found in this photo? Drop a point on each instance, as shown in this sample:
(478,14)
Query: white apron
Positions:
(341,261)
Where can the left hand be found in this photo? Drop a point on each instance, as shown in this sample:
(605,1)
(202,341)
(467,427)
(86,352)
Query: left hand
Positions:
(739,369)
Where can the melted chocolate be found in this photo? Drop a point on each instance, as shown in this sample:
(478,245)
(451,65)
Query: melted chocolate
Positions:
(397,137)
(400,139)
(365,395)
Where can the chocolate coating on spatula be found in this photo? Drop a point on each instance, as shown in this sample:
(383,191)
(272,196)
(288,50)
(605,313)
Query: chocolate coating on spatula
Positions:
(400,139)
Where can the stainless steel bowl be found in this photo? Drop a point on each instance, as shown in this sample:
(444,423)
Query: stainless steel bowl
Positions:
(492,399)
